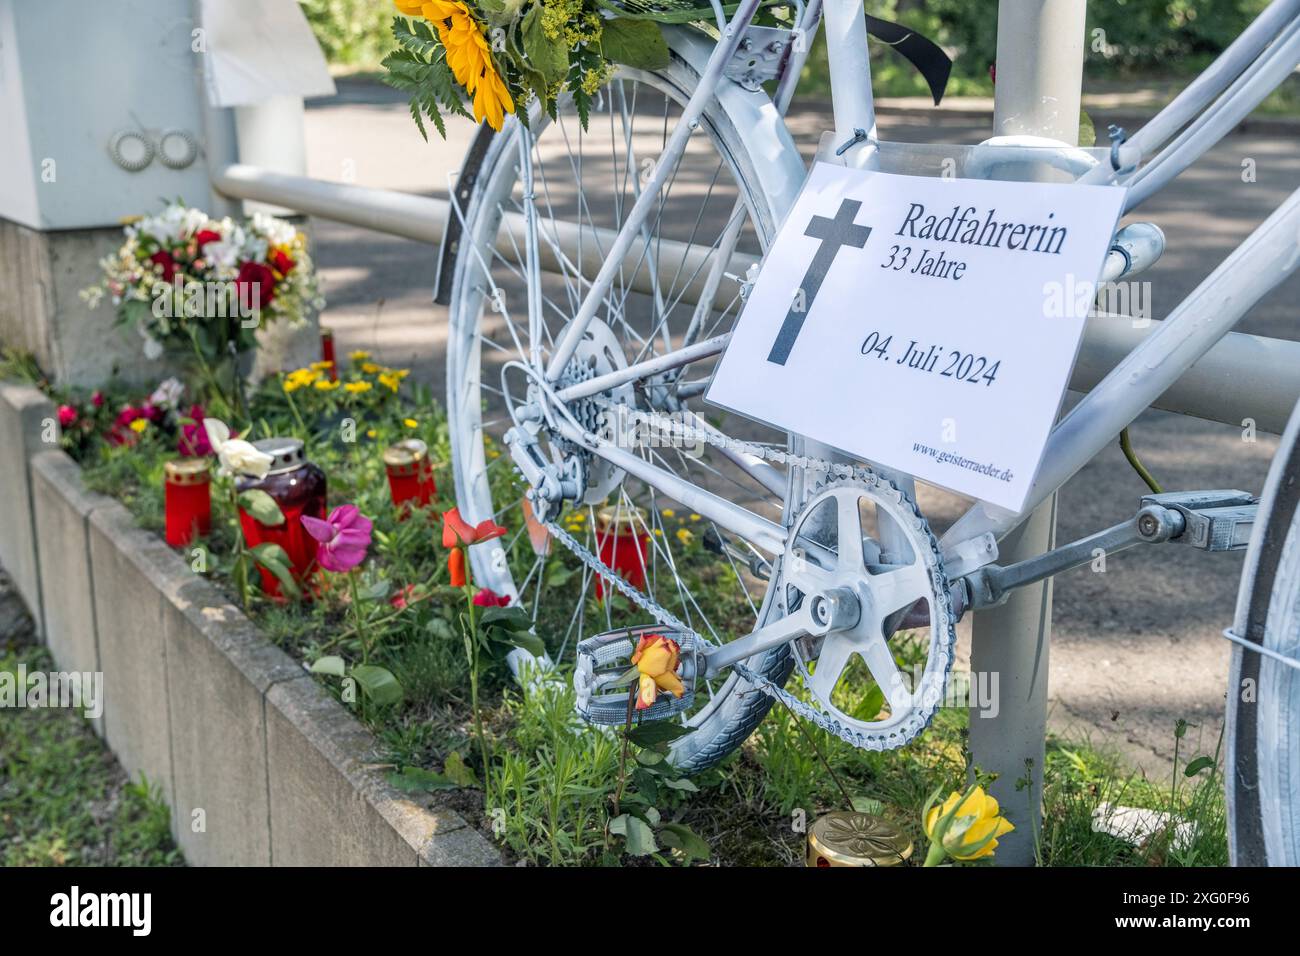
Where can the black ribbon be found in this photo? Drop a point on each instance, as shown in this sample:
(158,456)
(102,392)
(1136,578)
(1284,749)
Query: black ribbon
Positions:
(922,52)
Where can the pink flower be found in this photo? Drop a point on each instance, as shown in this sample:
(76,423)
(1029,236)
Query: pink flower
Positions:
(489,598)
(194,442)
(344,537)
(97,399)
(67,415)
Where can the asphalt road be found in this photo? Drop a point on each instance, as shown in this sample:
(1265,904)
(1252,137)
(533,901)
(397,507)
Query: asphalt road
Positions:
(1133,649)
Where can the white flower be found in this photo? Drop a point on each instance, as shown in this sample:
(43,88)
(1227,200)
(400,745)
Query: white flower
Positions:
(277,231)
(153,349)
(227,252)
(237,456)
(167,394)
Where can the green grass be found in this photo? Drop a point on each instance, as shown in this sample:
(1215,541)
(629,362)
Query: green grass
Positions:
(64,801)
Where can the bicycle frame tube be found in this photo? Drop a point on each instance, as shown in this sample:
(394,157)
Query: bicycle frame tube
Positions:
(1259,264)
(676,146)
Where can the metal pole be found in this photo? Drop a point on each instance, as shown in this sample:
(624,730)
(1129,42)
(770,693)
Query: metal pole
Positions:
(1039,80)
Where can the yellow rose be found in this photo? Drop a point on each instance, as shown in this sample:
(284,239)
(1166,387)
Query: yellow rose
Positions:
(966,826)
(656,658)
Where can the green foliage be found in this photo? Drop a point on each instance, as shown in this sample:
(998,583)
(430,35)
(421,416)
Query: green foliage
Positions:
(419,68)
(636,43)
(351,33)
(64,801)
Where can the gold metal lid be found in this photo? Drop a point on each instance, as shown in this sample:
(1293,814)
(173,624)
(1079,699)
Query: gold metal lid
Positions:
(849,838)
(622,519)
(406,457)
(187,471)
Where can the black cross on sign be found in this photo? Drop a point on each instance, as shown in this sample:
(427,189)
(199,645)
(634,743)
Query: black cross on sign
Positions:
(833,233)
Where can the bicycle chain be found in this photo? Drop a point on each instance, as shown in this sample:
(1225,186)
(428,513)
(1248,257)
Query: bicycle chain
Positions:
(833,470)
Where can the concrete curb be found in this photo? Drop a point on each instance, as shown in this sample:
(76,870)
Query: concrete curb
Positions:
(26,416)
(259,763)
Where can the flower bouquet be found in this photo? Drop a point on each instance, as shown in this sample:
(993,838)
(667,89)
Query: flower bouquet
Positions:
(201,287)
(500,54)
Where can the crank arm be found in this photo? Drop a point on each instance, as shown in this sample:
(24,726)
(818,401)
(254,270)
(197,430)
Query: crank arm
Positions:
(835,608)
(1206,520)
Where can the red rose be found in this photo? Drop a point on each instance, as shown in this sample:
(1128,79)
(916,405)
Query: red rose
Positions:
(204,236)
(283,264)
(489,598)
(255,285)
(164,259)
(97,399)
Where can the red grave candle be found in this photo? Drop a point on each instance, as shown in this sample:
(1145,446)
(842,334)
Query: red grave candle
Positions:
(187,500)
(622,544)
(410,474)
(298,487)
(327,354)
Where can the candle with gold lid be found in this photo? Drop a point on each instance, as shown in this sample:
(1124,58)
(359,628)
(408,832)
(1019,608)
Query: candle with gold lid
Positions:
(410,474)
(187,500)
(850,838)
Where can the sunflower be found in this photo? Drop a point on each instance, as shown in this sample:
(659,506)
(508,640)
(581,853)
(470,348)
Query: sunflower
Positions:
(469,57)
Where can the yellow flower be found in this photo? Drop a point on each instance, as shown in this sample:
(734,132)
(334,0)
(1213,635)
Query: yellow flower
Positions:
(408,8)
(139,425)
(685,536)
(300,378)
(966,826)
(325,385)
(321,366)
(659,532)
(656,659)
(492,100)
(410,423)
(390,380)
(695,517)
(669,513)
(470,59)
(371,433)
(370,368)
(360,355)
(357,388)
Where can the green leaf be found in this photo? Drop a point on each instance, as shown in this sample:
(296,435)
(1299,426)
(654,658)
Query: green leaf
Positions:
(636,43)
(262,506)
(456,770)
(867,805)
(415,779)
(1197,765)
(656,732)
(546,56)
(870,705)
(649,758)
(376,592)
(513,618)
(639,839)
(378,683)
(557,574)
(530,642)
(276,560)
(680,783)
(331,664)
(678,836)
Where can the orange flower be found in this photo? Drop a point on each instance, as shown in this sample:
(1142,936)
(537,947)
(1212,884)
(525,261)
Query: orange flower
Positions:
(456,567)
(456,531)
(656,658)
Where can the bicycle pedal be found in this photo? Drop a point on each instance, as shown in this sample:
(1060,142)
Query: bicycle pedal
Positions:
(601,671)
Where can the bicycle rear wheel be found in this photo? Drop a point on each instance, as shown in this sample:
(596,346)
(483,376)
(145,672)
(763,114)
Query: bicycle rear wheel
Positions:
(1263,708)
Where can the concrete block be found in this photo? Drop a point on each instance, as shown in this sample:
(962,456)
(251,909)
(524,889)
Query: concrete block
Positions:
(219,667)
(62,509)
(26,417)
(129,568)
(331,807)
